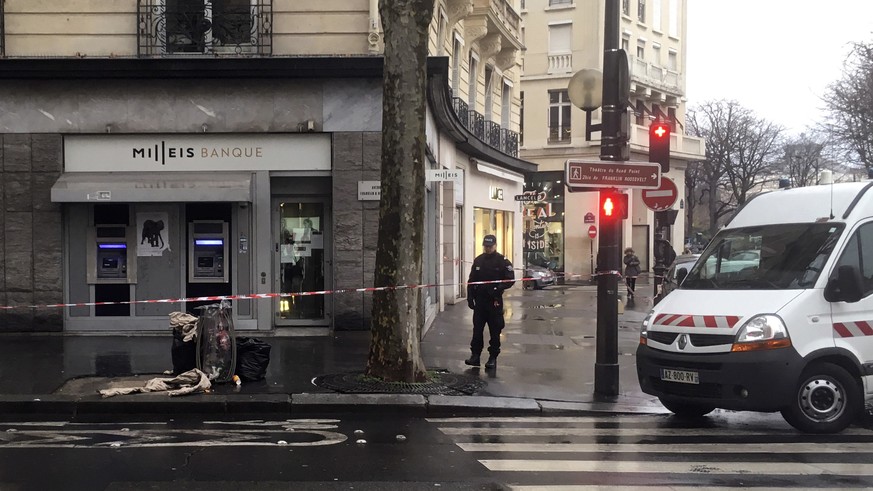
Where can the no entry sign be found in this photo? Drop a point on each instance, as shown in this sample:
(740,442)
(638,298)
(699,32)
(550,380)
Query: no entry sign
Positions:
(662,198)
(592,232)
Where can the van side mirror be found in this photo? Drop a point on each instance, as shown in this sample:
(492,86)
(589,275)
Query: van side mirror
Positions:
(681,273)
(845,286)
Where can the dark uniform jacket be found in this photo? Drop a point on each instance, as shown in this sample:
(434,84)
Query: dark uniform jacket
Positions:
(490,267)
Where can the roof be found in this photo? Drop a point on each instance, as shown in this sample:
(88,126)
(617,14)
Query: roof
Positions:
(829,202)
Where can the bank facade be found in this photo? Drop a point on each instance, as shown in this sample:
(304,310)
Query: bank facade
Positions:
(130,183)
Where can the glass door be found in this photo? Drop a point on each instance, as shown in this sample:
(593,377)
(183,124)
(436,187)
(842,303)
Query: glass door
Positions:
(301,262)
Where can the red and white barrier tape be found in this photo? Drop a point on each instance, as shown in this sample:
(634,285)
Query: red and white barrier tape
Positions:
(251,296)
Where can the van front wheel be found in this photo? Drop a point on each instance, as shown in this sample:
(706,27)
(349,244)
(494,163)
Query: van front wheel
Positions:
(685,409)
(826,400)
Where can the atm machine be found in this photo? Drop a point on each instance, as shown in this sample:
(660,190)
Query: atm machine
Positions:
(111,259)
(208,251)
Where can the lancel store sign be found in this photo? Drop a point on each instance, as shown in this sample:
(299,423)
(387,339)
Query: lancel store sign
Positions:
(122,153)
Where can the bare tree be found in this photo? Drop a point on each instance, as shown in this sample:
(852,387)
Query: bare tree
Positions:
(741,151)
(395,353)
(849,102)
(804,159)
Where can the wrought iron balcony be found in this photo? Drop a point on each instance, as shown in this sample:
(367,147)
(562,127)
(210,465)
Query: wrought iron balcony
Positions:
(205,27)
(489,132)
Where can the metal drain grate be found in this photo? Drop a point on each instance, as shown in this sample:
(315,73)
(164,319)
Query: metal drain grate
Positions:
(441,383)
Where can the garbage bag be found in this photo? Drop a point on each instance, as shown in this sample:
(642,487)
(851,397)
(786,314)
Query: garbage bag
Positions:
(184,354)
(252,358)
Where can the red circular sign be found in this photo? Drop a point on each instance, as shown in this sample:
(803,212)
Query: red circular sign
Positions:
(662,198)
(592,232)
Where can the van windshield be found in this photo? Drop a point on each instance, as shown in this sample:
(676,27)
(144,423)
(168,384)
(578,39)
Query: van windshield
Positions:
(770,257)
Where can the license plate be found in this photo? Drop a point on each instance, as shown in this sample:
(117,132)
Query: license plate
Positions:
(681,376)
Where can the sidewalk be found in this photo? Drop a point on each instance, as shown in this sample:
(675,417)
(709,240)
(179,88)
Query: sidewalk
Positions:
(546,365)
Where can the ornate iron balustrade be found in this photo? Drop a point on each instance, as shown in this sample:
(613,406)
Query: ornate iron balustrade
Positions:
(508,142)
(501,139)
(492,134)
(477,125)
(205,27)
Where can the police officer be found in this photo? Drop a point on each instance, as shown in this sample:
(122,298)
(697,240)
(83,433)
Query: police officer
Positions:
(486,300)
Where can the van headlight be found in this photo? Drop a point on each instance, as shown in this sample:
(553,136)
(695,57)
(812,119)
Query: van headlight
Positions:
(762,332)
(644,328)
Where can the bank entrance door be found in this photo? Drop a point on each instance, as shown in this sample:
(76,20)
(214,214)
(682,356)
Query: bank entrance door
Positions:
(301,237)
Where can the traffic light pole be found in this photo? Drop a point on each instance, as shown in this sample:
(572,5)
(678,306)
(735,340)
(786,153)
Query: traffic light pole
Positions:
(609,254)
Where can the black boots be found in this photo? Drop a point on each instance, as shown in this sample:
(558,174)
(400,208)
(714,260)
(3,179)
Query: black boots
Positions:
(492,361)
(473,360)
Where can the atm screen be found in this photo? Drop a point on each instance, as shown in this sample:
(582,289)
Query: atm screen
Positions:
(205,262)
(110,263)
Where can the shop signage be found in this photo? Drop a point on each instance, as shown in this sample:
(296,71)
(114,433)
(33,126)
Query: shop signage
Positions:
(496,193)
(581,173)
(442,175)
(196,152)
(531,196)
(369,190)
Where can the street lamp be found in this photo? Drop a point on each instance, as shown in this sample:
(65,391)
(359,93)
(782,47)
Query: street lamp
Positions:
(586,92)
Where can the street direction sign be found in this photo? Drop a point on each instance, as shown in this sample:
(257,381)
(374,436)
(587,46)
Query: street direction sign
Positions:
(662,198)
(606,174)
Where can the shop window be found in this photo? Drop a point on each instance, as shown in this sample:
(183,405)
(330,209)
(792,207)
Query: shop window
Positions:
(497,223)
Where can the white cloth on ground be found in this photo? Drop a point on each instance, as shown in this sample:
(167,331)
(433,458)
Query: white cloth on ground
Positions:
(185,383)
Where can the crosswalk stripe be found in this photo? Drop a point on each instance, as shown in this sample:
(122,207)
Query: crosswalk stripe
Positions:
(570,431)
(661,467)
(648,488)
(553,419)
(745,448)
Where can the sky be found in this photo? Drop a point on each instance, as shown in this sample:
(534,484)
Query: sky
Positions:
(775,57)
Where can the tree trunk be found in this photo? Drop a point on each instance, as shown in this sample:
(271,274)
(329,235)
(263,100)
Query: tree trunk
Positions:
(397,317)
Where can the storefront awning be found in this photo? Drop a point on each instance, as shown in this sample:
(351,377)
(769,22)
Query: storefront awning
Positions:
(137,187)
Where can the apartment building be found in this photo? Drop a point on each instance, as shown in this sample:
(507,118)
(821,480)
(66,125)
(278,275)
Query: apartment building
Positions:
(561,38)
(157,150)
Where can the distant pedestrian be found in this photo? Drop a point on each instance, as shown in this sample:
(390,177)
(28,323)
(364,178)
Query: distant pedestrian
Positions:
(486,300)
(631,271)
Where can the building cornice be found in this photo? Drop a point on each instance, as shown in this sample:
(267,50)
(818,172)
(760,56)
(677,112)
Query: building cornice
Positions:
(440,98)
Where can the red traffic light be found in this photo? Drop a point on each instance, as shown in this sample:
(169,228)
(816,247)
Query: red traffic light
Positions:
(613,206)
(659,144)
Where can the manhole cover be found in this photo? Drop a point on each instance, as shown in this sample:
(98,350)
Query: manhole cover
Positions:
(440,383)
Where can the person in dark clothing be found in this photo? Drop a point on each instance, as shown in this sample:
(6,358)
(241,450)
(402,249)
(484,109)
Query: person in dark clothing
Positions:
(631,271)
(486,300)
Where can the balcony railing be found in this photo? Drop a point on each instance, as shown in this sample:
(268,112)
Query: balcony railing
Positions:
(656,76)
(210,27)
(489,132)
(561,63)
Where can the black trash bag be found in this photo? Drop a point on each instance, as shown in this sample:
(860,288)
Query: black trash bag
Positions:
(184,354)
(252,358)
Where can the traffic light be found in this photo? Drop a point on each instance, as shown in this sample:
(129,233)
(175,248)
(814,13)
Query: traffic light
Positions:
(659,144)
(613,206)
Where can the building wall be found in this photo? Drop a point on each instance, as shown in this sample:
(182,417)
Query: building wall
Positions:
(101,28)
(31,253)
(545,70)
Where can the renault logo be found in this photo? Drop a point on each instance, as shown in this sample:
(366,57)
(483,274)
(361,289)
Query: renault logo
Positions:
(683,341)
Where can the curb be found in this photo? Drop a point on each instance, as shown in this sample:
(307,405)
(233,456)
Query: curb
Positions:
(284,405)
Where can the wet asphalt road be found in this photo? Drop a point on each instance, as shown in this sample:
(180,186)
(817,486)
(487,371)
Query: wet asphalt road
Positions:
(726,450)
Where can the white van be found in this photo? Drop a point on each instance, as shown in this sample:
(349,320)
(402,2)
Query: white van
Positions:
(775,315)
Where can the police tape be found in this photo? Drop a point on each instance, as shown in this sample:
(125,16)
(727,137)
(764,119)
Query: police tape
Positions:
(575,276)
(255,296)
